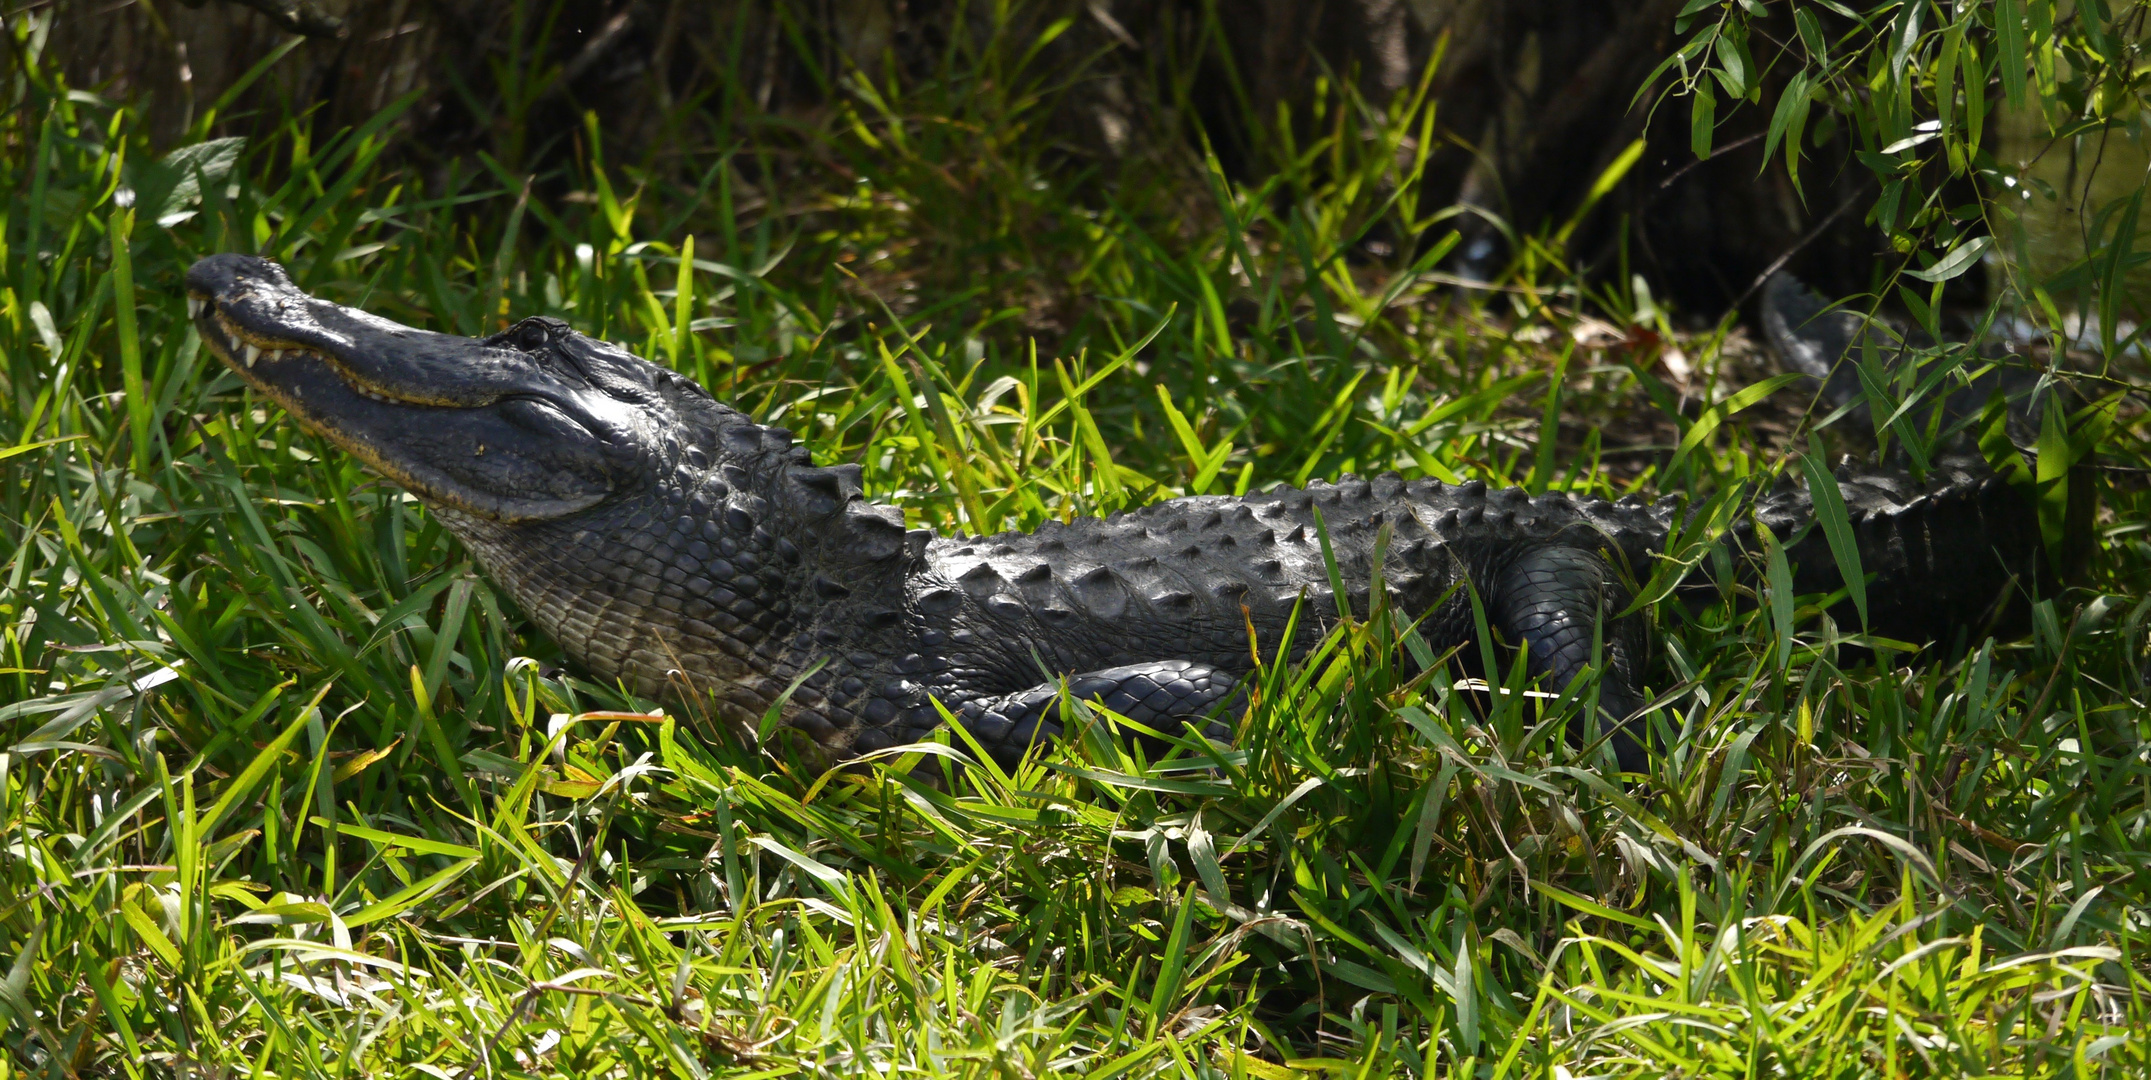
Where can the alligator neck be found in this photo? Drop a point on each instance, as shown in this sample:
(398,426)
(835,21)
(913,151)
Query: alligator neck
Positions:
(677,583)
(718,576)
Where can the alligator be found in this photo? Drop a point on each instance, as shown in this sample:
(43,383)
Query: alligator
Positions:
(669,543)
(1826,341)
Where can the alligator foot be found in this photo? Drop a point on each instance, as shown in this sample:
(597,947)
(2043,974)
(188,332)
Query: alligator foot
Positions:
(1554,601)
(1164,696)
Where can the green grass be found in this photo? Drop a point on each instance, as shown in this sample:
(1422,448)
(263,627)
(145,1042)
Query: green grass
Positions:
(287,790)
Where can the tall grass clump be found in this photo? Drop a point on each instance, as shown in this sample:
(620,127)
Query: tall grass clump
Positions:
(287,789)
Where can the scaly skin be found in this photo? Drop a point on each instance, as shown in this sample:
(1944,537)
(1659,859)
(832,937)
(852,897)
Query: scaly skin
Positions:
(666,540)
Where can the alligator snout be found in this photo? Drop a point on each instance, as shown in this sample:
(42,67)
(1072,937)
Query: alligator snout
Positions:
(476,424)
(225,276)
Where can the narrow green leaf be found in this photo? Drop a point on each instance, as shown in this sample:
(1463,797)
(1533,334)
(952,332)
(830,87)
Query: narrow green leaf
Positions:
(387,839)
(2114,266)
(1702,120)
(1693,48)
(2098,26)
(1214,309)
(1907,35)
(1103,472)
(1430,807)
(1219,454)
(1173,967)
(1777,574)
(1959,259)
(1341,411)
(2053,477)
(209,116)
(1608,179)
(1283,804)
(1945,75)
(1329,563)
(1589,906)
(1466,993)
(258,768)
(1686,547)
(2012,56)
(773,718)
(1818,47)
(837,884)
(1542,462)
(1732,66)
(1142,783)
(1120,359)
(121,237)
(495,314)
(1787,123)
(150,934)
(418,892)
(1707,424)
(10,451)
(683,307)
(1205,461)
(102,987)
(1904,849)
(1836,523)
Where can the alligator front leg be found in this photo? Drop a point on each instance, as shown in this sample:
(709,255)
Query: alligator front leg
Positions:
(1553,601)
(1162,695)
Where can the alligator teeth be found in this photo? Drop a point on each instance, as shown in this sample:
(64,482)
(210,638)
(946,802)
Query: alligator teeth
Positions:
(195,304)
(251,354)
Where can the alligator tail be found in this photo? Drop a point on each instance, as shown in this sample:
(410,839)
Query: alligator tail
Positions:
(1825,343)
(1957,550)
(1812,337)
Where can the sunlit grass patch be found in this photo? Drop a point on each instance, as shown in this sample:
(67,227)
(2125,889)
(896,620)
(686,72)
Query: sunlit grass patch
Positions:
(287,789)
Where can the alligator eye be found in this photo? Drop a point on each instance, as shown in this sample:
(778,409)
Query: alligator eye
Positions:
(531,335)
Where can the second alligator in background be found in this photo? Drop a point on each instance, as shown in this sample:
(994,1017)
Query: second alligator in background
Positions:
(666,540)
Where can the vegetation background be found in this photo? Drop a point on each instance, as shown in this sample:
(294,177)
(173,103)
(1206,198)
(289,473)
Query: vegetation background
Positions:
(287,790)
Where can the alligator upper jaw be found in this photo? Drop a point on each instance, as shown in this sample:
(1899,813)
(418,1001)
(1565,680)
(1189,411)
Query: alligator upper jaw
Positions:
(251,315)
(455,420)
(285,366)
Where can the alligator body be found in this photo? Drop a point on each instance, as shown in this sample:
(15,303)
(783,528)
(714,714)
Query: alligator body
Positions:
(668,541)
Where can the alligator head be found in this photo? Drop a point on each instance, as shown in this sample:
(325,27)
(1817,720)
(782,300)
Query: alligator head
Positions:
(534,423)
(652,531)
